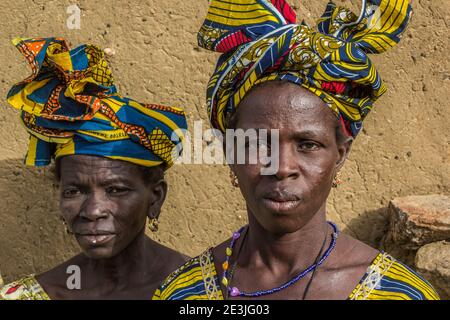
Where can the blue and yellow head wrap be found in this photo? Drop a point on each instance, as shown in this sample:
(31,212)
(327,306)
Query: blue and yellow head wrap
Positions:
(69,105)
(261,41)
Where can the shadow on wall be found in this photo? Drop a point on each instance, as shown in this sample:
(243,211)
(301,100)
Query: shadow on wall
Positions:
(378,221)
(32,236)
(374,224)
(369,226)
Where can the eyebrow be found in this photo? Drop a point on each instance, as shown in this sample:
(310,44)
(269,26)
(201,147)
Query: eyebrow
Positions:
(310,133)
(81,182)
(117,180)
(301,134)
(307,134)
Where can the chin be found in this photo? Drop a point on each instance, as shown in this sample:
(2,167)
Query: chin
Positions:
(280,223)
(99,253)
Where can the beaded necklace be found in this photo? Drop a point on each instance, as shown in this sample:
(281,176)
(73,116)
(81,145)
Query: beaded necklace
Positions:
(234,291)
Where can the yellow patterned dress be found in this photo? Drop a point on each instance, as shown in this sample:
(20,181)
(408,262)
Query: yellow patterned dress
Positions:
(385,279)
(24,289)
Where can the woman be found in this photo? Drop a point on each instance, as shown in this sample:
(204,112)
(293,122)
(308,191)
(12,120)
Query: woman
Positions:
(111,154)
(315,87)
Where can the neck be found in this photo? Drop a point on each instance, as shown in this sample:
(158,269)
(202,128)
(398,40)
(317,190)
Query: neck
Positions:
(287,252)
(130,266)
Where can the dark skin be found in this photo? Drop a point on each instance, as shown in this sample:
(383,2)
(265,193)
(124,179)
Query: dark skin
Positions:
(287,210)
(105,203)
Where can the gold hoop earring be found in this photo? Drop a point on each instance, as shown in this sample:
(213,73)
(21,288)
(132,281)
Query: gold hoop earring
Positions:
(153,225)
(337,180)
(234,179)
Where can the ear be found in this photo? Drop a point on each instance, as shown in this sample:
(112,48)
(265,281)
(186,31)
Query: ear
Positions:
(158,192)
(344,149)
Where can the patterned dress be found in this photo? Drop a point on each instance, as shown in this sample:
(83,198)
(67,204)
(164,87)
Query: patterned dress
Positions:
(385,279)
(24,289)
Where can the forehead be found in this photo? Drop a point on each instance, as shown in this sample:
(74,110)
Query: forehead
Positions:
(96,167)
(284,105)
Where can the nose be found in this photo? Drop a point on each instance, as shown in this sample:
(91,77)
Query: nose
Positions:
(287,164)
(95,207)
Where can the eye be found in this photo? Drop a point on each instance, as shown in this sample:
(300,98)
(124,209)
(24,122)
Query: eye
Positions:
(117,190)
(308,146)
(71,192)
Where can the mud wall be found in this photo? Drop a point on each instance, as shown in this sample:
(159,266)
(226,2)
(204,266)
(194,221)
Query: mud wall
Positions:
(404,148)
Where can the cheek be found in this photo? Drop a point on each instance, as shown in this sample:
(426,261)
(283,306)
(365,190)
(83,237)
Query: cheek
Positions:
(70,208)
(130,214)
(318,173)
(248,176)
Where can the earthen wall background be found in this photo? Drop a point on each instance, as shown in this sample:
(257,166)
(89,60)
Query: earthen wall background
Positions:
(404,148)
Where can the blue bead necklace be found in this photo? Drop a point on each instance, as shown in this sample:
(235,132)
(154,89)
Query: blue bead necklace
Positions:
(235,292)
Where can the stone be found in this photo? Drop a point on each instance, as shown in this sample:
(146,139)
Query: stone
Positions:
(418,220)
(109,51)
(433,262)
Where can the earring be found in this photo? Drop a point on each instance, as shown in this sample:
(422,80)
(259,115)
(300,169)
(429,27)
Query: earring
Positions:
(65,225)
(153,225)
(234,179)
(337,180)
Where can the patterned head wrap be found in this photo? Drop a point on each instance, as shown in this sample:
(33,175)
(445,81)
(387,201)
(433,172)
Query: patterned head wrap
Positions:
(261,41)
(69,105)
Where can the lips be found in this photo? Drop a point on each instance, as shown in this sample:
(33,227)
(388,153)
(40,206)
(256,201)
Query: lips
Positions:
(281,196)
(281,201)
(95,238)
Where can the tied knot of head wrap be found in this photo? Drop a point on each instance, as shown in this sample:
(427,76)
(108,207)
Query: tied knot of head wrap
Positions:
(261,41)
(70,105)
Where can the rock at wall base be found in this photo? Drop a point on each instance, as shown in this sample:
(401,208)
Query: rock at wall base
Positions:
(433,262)
(418,220)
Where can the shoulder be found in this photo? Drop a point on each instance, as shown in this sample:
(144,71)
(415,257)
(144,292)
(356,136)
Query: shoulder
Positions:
(26,288)
(172,259)
(389,279)
(194,280)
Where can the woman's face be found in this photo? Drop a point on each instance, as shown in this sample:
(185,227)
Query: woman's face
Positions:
(105,202)
(309,155)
